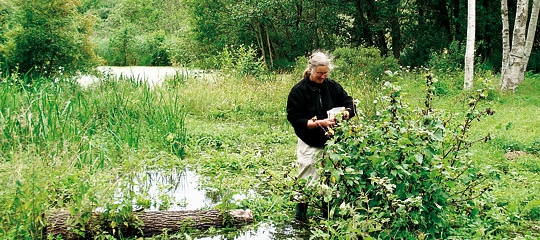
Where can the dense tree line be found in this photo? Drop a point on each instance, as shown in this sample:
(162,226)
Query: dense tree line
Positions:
(411,31)
(42,35)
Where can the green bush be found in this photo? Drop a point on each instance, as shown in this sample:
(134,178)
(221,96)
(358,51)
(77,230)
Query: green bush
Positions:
(357,64)
(123,46)
(53,39)
(400,173)
(450,59)
(240,60)
(180,51)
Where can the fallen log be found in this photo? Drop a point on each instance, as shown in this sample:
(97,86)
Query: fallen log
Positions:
(149,223)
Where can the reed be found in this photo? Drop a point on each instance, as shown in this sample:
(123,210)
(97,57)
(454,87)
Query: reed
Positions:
(64,146)
(69,147)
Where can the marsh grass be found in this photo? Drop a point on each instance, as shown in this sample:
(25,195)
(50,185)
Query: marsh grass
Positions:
(63,146)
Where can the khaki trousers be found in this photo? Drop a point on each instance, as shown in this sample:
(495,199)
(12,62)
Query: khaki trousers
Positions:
(306,156)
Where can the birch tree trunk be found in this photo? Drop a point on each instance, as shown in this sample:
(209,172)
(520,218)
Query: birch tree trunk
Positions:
(505,38)
(469,52)
(516,57)
(530,37)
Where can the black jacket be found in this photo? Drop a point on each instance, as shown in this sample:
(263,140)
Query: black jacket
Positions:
(308,99)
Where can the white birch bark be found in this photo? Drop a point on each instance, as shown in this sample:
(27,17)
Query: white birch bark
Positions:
(505,38)
(509,80)
(469,51)
(530,38)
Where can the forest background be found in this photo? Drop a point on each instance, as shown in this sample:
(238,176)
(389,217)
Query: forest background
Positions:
(194,33)
(65,147)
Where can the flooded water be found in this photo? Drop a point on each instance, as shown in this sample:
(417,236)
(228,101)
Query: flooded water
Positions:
(172,191)
(181,190)
(151,75)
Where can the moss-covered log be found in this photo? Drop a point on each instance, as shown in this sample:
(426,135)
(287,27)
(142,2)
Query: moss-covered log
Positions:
(144,223)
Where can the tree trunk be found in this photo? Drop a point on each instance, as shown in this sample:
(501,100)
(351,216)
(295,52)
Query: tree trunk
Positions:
(469,52)
(505,38)
(455,15)
(378,32)
(260,42)
(362,34)
(268,43)
(151,223)
(395,27)
(515,60)
(531,32)
(442,18)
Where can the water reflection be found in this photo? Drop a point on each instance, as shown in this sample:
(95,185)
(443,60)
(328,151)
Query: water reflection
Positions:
(180,190)
(183,191)
(173,191)
(267,231)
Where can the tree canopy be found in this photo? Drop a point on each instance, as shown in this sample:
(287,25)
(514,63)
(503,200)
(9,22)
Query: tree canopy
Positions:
(45,35)
(49,38)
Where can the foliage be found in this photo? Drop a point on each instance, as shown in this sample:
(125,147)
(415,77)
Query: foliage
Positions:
(64,147)
(5,12)
(450,59)
(194,32)
(357,64)
(237,141)
(52,39)
(180,50)
(399,173)
(240,61)
(134,32)
(279,30)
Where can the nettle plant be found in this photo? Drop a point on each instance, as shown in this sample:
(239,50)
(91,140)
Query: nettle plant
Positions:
(399,173)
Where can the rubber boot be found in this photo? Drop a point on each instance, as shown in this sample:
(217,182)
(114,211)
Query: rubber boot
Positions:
(301,212)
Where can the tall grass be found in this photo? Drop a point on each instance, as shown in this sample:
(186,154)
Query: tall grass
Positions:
(246,149)
(67,147)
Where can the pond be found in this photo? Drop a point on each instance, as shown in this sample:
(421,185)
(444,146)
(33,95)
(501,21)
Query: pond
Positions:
(182,189)
(151,75)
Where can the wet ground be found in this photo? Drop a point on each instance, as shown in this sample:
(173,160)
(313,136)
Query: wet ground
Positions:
(181,190)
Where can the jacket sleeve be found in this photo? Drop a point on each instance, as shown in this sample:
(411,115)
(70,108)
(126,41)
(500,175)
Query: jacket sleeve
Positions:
(295,112)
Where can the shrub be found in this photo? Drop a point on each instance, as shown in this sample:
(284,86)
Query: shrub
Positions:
(241,60)
(363,63)
(180,51)
(398,173)
(53,39)
(450,59)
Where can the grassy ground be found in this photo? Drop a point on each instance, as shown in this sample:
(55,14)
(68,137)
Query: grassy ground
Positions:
(73,148)
(244,125)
